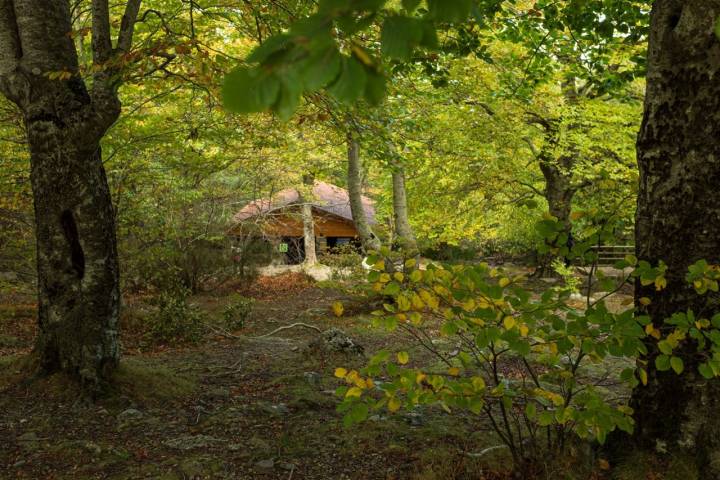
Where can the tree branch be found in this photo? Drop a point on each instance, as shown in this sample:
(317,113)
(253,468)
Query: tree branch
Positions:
(101,43)
(10,51)
(127,26)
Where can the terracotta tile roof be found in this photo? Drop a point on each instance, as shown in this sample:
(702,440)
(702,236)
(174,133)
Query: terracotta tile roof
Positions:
(328,198)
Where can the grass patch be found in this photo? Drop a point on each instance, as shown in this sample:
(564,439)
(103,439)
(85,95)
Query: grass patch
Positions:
(149,381)
(640,466)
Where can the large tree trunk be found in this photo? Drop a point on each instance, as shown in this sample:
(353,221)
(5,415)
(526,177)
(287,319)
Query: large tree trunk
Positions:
(78,293)
(77,257)
(367,238)
(678,216)
(559,188)
(403,230)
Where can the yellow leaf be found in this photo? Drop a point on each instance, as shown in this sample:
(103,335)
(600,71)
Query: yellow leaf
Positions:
(643,376)
(379,265)
(340,372)
(369,382)
(420,377)
(361,383)
(698,284)
(577,215)
(338,309)
(524,330)
(417,302)
(354,392)
(509,322)
(399,276)
(384,278)
(660,283)
(478,383)
(649,328)
(362,55)
(403,358)
(415,318)
(403,303)
(394,404)
(645,301)
(454,371)
(504,282)
(702,323)
(603,464)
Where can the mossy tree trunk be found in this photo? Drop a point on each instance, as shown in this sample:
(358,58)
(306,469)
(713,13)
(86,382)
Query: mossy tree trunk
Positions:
(354,178)
(78,293)
(560,187)
(678,217)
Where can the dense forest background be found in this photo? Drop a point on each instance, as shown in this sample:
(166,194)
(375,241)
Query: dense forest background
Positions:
(533,295)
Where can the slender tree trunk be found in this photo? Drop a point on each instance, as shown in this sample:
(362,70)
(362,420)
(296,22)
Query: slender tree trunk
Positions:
(308,234)
(308,222)
(367,238)
(403,230)
(78,293)
(678,217)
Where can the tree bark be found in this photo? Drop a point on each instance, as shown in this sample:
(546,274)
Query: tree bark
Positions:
(559,187)
(78,281)
(308,222)
(678,217)
(403,230)
(368,240)
(308,234)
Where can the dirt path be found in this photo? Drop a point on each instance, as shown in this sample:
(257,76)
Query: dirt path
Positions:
(231,409)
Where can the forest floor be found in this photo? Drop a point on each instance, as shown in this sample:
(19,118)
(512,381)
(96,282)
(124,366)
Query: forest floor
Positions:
(232,406)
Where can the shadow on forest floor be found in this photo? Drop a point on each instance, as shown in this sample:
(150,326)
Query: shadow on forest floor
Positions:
(233,408)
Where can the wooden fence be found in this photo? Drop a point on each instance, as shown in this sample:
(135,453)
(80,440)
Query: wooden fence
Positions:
(609,254)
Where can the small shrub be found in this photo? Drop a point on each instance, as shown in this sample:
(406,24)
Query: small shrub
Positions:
(237,311)
(344,257)
(567,273)
(174,318)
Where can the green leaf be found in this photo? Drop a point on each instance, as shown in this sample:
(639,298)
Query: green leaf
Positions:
(410,5)
(245,90)
(449,10)
(400,35)
(290,94)
(272,45)
(350,85)
(662,363)
(321,68)
(706,371)
(375,89)
(677,364)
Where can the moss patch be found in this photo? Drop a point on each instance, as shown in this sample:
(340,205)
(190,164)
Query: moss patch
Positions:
(149,381)
(640,466)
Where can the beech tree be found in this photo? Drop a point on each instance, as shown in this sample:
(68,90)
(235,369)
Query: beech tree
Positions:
(66,113)
(678,216)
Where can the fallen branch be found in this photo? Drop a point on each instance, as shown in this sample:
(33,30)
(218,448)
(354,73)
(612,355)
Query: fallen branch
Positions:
(221,331)
(287,327)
